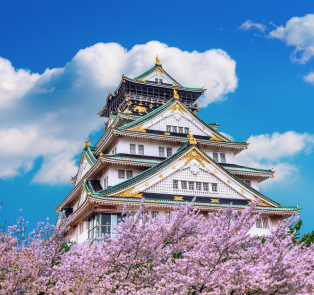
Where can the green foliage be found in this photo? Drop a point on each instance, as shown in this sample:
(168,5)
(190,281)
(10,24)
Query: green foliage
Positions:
(307,239)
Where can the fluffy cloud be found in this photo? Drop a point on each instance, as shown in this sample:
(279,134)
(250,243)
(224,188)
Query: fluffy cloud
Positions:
(248,25)
(270,151)
(50,115)
(309,78)
(298,32)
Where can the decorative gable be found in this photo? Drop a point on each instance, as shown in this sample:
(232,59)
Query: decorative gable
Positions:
(83,168)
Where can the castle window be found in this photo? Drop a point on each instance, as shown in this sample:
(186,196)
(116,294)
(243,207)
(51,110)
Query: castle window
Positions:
(121,174)
(169,152)
(160,80)
(132,149)
(81,227)
(262,222)
(168,128)
(141,149)
(205,187)
(191,186)
(223,158)
(106,182)
(214,187)
(175,184)
(156,79)
(102,224)
(174,129)
(184,185)
(181,130)
(186,130)
(198,186)
(154,214)
(129,174)
(215,157)
(161,151)
(248,182)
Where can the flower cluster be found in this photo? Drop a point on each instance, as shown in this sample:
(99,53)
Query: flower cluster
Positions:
(182,253)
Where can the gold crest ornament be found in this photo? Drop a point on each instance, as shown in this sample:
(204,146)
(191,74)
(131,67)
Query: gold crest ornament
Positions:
(86,143)
(158,61)
(175,94)
(191,138)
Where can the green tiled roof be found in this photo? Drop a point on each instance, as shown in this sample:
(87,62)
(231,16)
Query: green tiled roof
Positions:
(249,169)
(88,153)
(197,89)
(119,158)
(147,116)
(287,208)
(146,73)
(147,173)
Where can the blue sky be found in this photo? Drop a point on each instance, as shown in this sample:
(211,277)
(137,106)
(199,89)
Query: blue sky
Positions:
(255,58)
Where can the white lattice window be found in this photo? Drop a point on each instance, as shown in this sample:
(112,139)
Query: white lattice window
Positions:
(121,174)
(262,222)
(205,187)
(156,79)
(174,129)
(169,152)
(154,214)
(160,80)
(181,130)
(191,185)
(161,151)
(81,228)
(168,128)
(186,130)
(129,174)
(215,157)
(184,185)
(223,158)
(106,182)
(198,186)
(214,187)
(175,184)
(141,149)
(132,148)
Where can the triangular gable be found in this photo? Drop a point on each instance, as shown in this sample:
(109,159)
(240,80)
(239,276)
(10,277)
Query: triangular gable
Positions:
(174,113)
(157,72)
(188,155)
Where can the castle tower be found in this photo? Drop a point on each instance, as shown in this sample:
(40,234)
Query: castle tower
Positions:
(155,146)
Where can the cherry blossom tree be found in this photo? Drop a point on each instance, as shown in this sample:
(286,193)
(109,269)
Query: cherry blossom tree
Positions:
(182,253)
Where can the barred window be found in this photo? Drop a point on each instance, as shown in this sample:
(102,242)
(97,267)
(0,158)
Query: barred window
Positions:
(181,130)
(141,149)
(262,222)
(169,152)
(129,174)
(214,187)
(174,129)
(205,187)
(186,130)
(248,182)
(184,185)
(154,214)
(223,158)
(175,184)
(161,151)
(160,80)
(168,128)
(156,79)
(198,186)
(132,149)
(106,182)
(191,186)
(215,157)
(121,174)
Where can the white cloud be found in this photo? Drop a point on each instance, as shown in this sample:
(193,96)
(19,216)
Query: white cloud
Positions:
(248,25)
(50,115)
(227,135)
(298,32)
(309,78)
(271,151)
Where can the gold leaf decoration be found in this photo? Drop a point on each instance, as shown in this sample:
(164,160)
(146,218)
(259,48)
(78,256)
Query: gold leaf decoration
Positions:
(139,128)
(130,193)
(264,204)
(178,107)
(194,155)
(158,71)
(178,198)
(140,109)
(214,137)
(215,201)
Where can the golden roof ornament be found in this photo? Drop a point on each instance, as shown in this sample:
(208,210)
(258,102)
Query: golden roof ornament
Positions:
(158,61)
(86,143)
(175,94)
(191,138)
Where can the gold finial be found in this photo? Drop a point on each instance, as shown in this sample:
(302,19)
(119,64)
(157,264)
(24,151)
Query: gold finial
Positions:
(191,137)
(86,143)
(175,94)
(158,61)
